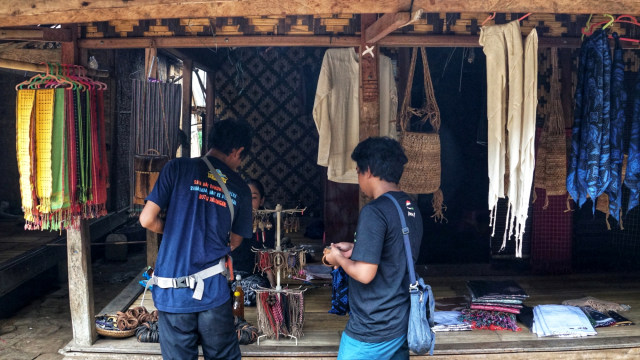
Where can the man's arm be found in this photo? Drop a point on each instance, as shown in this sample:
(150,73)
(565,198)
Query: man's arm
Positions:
(359,270)
(149,217)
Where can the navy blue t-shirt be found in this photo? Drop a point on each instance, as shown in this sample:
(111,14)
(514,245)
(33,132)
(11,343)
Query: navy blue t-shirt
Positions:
(196,229)
(380,309)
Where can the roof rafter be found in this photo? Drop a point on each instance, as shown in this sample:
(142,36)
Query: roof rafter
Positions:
(19,12)
(385,25)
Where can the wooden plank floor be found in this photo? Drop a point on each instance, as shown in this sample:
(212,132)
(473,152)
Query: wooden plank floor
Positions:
(24,254)
(322,331)
(15,241)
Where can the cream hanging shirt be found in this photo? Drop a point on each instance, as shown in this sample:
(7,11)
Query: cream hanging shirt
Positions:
(336,110)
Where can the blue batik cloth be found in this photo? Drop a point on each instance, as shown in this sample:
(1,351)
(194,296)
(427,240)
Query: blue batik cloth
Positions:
(589,171)
(339,292)
(632,177)
(618,104)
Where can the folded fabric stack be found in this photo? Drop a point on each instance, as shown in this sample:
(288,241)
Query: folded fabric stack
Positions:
(490,320)
(597,318)
(600,305)
(561,321)
(449,321)
(494,304)
(601,312)
(505,296)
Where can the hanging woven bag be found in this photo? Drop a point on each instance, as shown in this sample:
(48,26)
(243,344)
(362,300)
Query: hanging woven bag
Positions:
(551,162)
(146,171)
(422,173)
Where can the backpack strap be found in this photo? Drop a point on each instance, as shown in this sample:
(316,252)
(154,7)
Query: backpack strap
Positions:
(407,245)
(214,171)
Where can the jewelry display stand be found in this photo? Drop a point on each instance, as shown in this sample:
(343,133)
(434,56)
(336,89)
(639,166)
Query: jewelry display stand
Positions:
(280,310)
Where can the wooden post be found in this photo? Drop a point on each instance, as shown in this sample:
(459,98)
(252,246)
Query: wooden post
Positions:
(78,250)
(187,68)
(152,248)
(369,101)
(150,63)
(210,109)
(70,48)
(81,285)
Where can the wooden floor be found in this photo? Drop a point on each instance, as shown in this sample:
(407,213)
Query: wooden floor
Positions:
(322,331)
(25,254)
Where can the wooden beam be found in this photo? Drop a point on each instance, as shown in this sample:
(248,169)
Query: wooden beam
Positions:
(466,41)
(11,51)
(81,285)
(180,55)
(220,42)
(36,34)
(313,41)
(19,12)
(385,25)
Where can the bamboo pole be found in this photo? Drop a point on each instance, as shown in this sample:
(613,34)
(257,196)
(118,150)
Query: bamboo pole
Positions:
(41,68)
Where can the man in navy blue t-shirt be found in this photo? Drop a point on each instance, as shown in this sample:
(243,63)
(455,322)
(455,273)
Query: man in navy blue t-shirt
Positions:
(376,262)
(190,291)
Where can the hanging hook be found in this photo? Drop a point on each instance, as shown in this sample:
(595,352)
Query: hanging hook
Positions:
(491,17)
(524,17)
(587,27)
(610,22)
(632,19)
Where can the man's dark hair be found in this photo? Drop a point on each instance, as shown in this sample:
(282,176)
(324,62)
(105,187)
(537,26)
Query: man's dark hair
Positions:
(229,134)
(383,156)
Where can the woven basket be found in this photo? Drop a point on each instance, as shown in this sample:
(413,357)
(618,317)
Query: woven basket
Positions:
(556,165)
(422,173)
(114,333)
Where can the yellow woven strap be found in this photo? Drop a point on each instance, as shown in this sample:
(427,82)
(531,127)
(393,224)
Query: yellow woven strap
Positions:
(24,107)
(44,127)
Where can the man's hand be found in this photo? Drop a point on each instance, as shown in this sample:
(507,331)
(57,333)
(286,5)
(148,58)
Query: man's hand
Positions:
(342,249)
(345,247)
(361,271)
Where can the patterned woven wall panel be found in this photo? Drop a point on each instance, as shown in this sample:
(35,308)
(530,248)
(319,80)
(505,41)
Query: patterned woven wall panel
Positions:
(548,25)
(273,89)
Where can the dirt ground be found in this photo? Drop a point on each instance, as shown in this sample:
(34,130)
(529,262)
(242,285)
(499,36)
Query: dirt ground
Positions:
(42,327)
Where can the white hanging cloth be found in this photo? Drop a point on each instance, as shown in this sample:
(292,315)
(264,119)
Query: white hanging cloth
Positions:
(511,104)
(336,110)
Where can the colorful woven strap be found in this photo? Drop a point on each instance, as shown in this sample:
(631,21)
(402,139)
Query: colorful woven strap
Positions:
(44,126)
(24,106)
(58,152)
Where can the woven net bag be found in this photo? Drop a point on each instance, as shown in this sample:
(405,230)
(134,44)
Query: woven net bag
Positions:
(422,173)
(551,160)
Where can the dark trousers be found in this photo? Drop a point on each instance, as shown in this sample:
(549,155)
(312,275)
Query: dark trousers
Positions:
(214,329)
